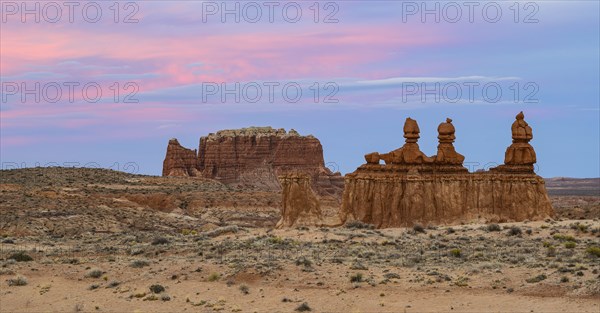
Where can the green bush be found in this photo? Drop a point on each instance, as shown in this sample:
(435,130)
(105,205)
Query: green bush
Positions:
(536,279)
(570,245)
(593,251)
(455,252)
(214,277)
(561,237)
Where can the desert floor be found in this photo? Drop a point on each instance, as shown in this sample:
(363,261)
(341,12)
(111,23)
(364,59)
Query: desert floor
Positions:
(548,266)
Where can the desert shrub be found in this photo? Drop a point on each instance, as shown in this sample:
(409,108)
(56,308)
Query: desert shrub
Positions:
(17,281)
(358,265)
(455,252)
(303,307)
(187,232)
(564,279)
(214,277)
(359,225)
(391,275)
(139,263)
(113,284)
(536,279)
(595,251)
(561,237)
(20,257)
(551,251)
(165,297)
(462,281)
(356,278)
(160,241)
(580,227)
(303,261)
(570,245)
(244,289)
(276,240)
(136,251)
(93,287)
(493,227)
(94,273)
(157,288)
(418,228)
(450,230)
(514,231)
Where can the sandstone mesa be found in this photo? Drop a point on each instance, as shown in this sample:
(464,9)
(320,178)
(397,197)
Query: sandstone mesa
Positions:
(253,156)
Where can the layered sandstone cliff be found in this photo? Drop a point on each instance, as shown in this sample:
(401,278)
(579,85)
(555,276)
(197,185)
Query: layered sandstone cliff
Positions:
(413,188)
(257,156)
(388,199)
(179,161)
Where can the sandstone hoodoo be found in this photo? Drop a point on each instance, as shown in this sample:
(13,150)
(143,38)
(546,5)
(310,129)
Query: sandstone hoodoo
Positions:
(255,156)
(300,205)
(414,188)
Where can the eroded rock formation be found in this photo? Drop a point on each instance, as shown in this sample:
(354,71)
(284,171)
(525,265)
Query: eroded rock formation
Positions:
(179,161)
(413,188)
(300,206)
(257,156)
(519,156)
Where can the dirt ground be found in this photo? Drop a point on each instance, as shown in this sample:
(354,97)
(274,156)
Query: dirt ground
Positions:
(93,240)
(521,267)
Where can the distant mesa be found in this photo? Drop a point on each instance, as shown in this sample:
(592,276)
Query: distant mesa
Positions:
(253,156)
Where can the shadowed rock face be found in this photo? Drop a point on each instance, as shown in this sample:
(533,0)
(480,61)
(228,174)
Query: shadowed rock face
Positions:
(257,156)
(300,206)
(413,188)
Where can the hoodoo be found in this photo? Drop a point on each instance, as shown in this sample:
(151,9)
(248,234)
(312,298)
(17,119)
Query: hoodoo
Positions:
(413,188)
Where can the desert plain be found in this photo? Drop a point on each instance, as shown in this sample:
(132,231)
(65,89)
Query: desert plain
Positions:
(94,240)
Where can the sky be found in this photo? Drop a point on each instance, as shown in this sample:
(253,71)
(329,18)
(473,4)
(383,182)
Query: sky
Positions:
(91,83)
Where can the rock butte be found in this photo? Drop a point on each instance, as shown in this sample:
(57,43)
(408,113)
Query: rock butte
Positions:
(413,188)
(253,156)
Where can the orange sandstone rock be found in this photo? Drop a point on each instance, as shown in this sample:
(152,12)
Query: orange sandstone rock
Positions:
(412,188)
(300,206)
(179,161)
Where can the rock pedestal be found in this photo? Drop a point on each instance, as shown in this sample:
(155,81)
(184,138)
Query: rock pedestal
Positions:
(413,188)
(519,156)
(300,206)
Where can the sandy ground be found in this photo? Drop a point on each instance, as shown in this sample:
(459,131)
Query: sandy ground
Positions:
(260,270)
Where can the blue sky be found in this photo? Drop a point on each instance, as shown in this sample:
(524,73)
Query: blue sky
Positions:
(372,58)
